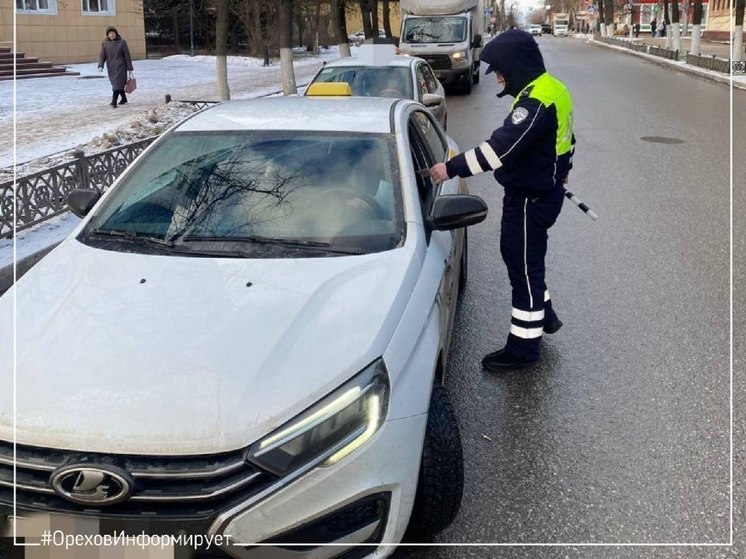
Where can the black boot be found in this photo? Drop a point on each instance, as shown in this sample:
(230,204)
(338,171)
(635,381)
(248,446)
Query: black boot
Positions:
(114,99)
(123,96)
(503,359)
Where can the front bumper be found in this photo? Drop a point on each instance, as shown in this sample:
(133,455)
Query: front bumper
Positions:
(453,76)
(366,498)
(388,465)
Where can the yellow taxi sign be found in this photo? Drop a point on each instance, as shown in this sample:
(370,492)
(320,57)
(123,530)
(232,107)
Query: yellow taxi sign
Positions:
(329,89)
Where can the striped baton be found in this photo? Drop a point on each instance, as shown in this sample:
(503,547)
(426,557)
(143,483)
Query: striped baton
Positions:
(574,199)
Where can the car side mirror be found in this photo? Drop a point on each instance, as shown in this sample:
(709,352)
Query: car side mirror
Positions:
(477,42)
(454,211)
(81,200)
(431,99)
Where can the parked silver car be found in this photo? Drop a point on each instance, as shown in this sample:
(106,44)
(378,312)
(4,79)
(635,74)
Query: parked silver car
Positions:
(378,72)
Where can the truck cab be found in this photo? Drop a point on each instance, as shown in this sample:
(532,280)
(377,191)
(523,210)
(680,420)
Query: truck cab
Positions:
(448,35)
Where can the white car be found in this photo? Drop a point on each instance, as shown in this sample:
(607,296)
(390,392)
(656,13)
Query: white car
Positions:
(535,29)
(247,335)
(378,72)
(560,30)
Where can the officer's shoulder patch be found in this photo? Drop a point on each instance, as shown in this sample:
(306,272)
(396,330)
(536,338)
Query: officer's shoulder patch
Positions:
(519,115)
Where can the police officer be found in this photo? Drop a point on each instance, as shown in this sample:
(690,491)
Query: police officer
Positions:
(531,156)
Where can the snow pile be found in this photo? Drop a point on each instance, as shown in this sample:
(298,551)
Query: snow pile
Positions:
(145,125)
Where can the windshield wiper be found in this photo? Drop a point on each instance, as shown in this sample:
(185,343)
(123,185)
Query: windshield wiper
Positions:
(132,236)
(286,242)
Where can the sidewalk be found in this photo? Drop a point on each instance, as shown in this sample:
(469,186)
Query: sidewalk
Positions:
(707,49)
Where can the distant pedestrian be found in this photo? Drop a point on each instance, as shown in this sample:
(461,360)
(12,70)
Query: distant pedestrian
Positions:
(116,55)
(653,27)
(637,30)
(663,28)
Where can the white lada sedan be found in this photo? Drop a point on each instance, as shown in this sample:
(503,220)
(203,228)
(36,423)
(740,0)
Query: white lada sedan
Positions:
(247,335)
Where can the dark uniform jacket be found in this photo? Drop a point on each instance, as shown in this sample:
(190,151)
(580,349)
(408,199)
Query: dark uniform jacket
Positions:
(532,151)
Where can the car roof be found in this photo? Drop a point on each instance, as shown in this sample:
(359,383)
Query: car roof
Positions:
(323,114)
(374,55)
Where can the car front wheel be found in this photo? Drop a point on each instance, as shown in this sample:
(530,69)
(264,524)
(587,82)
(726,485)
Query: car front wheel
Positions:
(441,480)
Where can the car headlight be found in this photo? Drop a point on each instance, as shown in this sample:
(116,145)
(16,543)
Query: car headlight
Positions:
(459,57)
(330,429)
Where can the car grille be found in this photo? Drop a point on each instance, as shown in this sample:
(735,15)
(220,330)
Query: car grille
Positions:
(438,61)
(165,486)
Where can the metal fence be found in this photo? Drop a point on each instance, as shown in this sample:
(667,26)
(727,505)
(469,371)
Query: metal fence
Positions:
(43,195)
(664,52)
(709,62)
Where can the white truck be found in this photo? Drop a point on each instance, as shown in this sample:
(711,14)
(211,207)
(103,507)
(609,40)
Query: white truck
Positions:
(446,33)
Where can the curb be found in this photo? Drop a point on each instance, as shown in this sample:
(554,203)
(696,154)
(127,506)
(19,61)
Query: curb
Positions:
(685,69)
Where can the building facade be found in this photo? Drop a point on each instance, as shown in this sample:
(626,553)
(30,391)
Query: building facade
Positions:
(71,31)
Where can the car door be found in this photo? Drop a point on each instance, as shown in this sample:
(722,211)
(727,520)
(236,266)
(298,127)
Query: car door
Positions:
(429,146)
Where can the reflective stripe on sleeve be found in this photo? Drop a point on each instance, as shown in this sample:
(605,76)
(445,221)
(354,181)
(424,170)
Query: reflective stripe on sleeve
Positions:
(471,161)
(490,155)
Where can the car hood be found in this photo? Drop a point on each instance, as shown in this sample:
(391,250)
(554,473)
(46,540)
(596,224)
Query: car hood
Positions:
(146,354)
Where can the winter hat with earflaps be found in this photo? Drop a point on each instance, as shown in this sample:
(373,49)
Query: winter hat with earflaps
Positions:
(110,29)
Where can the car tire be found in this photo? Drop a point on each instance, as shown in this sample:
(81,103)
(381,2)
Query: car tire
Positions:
(467,86)
(440,484)
(476,75)
(463,275)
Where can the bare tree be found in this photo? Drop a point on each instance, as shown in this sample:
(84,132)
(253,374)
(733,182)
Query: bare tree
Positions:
(365,14)
(374,17)
(602,18)
(609,13)
(339,27)
(387,18)
(667,21)
(675,31)
(287,72)
(221,48)
(738,39)
(696,27)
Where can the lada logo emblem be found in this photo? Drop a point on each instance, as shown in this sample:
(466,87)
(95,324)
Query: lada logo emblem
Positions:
(92,485)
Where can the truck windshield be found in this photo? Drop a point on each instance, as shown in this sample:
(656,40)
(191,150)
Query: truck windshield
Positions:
(435,29)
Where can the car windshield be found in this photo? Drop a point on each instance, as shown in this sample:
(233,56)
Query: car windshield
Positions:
(435,29)
(257,193)
(371,81)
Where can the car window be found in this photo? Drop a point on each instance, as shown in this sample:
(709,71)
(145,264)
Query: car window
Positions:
(431,81)
(343,190)
(366,81)
(432,136)
(423,157)
(435,29)
(421,81)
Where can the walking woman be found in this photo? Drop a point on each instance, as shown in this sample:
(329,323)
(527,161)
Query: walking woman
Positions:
(115,53)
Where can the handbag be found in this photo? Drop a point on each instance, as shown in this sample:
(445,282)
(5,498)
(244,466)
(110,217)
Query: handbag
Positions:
(131,85)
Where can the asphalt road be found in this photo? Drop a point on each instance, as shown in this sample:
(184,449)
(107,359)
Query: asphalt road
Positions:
(622,433)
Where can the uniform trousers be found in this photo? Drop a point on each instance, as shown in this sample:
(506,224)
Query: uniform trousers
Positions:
(523,245)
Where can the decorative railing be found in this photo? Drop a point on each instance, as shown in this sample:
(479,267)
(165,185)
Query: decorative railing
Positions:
(664,52)
(709,63)
(43,195)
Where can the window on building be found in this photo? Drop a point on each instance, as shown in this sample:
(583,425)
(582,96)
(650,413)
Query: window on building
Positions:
(37,6)
(96,7)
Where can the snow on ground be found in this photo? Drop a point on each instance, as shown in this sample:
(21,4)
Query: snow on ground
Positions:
(61,113)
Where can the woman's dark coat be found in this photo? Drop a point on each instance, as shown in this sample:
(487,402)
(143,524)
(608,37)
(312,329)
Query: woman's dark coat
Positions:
(117,57)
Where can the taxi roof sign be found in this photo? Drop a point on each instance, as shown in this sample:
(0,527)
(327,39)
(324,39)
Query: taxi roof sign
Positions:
(329,89)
